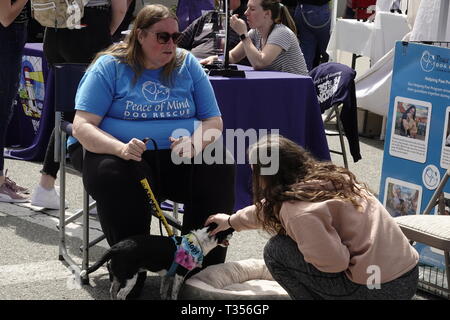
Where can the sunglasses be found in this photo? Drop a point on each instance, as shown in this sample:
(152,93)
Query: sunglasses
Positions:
(164,37)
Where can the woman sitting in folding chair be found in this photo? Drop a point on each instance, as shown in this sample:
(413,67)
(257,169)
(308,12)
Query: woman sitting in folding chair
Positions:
(146,87)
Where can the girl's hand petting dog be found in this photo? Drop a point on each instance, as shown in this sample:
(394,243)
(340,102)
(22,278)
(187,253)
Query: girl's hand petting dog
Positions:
(221,219)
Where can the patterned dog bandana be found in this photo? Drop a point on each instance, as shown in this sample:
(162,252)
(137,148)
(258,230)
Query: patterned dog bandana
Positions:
(189,253)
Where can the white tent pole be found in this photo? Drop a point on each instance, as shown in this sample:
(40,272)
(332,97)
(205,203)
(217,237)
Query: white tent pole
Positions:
(443,19)
(334,6)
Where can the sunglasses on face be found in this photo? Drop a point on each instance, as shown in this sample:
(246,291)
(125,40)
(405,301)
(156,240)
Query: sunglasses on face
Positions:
(164,37)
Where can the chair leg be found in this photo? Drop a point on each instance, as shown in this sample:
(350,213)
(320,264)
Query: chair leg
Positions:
(63,253)
(341,135)
(176,231)
(447,271)
(85,250)
(434,199)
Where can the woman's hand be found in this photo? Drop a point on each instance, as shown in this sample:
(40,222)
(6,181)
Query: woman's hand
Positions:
(183,146)
(222,222)
(133,150)
(238,25)
(209,60)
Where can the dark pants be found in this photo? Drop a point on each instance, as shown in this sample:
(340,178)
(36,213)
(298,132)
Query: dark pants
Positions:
(79,45)
(122,204)
(303,281)
(12,42)
(313,27)
(75,46)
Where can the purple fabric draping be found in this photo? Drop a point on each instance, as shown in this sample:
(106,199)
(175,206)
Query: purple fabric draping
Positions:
(270,100)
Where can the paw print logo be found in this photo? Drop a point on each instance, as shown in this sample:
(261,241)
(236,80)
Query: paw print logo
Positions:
(155,92)
(427,61)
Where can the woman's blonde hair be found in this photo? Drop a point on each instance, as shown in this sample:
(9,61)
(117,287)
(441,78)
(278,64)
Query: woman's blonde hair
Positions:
(130,50)
(299,177)
(280,13)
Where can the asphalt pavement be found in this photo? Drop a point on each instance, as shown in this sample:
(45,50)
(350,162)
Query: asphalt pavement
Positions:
(29,265)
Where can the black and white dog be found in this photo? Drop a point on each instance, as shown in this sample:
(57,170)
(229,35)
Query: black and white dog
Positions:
(171,257)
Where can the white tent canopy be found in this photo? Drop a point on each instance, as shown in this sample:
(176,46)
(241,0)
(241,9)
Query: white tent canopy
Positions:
(429,23)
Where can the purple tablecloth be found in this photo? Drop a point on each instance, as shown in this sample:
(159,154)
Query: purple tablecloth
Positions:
(271,100)
(262,100)
(33,120)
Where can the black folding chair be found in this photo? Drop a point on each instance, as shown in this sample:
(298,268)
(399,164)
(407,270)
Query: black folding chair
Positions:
(335,88)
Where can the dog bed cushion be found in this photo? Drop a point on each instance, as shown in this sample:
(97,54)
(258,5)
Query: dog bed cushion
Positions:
(244,279)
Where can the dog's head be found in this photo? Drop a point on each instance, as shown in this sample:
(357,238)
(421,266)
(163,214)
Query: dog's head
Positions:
(208,242)
(222,237)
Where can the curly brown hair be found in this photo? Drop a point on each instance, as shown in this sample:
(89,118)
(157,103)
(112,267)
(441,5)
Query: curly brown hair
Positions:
(299,177)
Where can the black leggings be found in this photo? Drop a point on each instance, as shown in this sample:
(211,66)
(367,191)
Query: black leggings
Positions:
(303,281)
(75,46)
(122,204)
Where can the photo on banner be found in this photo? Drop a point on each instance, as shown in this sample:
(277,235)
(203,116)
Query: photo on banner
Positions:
(445,153)
(410,129)
(402,198)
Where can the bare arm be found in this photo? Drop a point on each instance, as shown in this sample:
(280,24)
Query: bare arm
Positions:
(208,132)
(258,59)
(237,53)
(405,124)
(9,12)
(118,11)
(86,130)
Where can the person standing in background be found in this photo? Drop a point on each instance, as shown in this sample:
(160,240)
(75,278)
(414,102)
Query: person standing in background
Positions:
(127,20)
(100,21)
(313,22)
(13,35)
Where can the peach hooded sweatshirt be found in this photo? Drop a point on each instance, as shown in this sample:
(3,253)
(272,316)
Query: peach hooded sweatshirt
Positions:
(334,236)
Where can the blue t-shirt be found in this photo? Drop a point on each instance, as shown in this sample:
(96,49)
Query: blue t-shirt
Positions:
(148,108)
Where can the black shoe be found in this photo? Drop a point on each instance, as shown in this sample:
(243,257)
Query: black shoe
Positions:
(137,289)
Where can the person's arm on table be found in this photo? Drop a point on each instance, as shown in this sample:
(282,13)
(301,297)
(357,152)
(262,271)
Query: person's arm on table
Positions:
(258,59)
(93,139)
(9,11)
(235,55)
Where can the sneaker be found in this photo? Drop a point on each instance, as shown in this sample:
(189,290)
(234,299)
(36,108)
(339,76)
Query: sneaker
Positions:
(46,198)
(8,194)
(14,185)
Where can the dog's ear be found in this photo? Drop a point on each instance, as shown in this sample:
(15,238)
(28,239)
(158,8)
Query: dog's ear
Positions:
(223,236)
(211,226)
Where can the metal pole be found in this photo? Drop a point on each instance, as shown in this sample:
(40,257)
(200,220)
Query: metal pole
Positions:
(443,19)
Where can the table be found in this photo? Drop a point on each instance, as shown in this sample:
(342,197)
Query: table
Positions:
(33,117)
(262,100)
(270,100)
(370,39)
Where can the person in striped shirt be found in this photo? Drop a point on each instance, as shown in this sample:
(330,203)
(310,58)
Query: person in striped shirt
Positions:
(271,43)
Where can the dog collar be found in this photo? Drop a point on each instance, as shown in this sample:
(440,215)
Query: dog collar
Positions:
(189,253)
